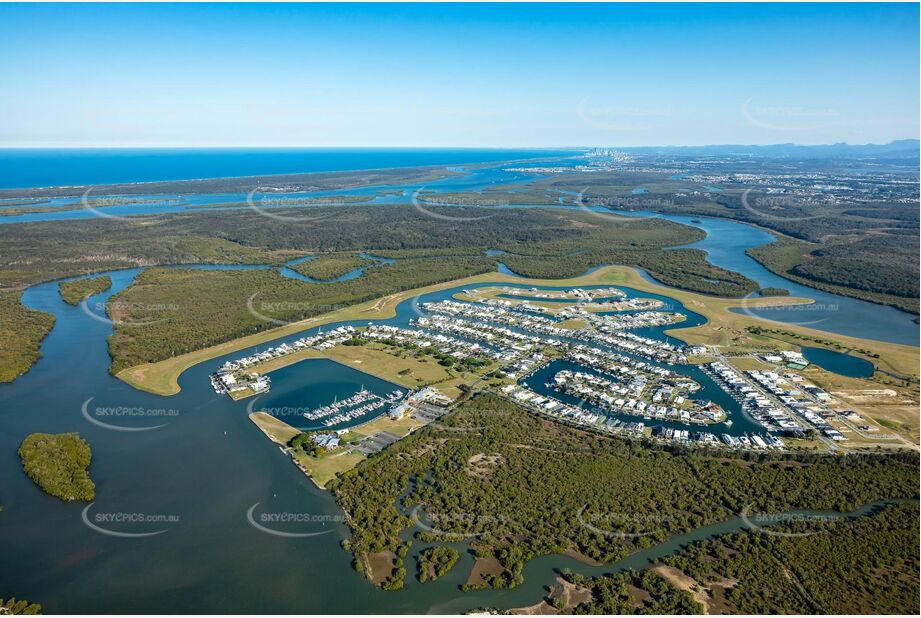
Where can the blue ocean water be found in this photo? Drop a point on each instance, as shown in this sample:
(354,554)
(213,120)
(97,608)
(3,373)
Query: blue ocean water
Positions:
(41,167)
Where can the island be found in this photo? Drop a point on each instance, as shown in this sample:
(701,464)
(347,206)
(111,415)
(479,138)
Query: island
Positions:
(77,290)
(58,463)
(435,562)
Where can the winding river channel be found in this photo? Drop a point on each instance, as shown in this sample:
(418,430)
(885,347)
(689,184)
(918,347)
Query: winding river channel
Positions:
(725,244)
(182,479)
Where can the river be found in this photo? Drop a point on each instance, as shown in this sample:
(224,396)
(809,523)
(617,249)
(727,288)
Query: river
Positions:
(192,477)
(725,244)
(190,481)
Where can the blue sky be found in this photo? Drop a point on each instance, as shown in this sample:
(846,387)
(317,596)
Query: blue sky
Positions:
(456,75)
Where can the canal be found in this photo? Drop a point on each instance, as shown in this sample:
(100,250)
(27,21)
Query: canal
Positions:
(194,467)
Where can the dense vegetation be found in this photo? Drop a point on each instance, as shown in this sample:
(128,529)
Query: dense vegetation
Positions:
(281,183)
(167,312)
(58,464)
(867,264)
(19,607)
(881,269)
(207,307)
(548,488)
(867,249)
(687,269)
(73,292)
(326,267)
(305,443)
(21,331)
(212,304)
(865,565)
(435,562)
(31,252)
(644,592)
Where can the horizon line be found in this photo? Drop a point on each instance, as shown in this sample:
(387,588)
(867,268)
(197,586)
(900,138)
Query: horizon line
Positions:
(440,147)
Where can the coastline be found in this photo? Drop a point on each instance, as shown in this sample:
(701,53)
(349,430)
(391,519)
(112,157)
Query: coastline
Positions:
(162,186)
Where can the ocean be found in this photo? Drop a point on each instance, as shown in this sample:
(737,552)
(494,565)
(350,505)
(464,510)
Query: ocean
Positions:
(40,167)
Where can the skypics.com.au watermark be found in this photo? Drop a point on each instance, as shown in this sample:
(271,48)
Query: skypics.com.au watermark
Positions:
(292,524)
(101,312)
(788,118)
(631,202)
(622,118)
(622,525)
(766,522)
(761,307)
(460,201)
(269,206)
(98,205)
(278,411)
(595,205)
(113,414)
(445,525)
(779,207)
(258,309)
(127,524)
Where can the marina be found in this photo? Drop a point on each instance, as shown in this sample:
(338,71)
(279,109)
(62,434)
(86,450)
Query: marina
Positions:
(249,369)
(358,405)
(235,460)
(607,370)
(663,401)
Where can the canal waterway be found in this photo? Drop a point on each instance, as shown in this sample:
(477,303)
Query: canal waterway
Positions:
(192,472)
(194,466)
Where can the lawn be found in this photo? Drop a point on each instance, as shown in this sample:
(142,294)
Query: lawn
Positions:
(278,431)
(323,469)
(723,327)
(385,362)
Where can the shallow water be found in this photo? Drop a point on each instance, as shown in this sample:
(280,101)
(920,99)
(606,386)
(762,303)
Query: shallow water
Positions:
(199,466)
(725,245)
(198,460)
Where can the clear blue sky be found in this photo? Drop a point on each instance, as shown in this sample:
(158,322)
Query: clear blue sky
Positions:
(456,75)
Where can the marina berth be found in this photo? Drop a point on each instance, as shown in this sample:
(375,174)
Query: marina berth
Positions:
(634,395)
(587,295)
(781,401)
(456,317)
(611,370)
(360,404)
(232,377)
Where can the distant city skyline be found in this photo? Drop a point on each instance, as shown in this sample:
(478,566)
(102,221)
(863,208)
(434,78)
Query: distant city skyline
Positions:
(467,76)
